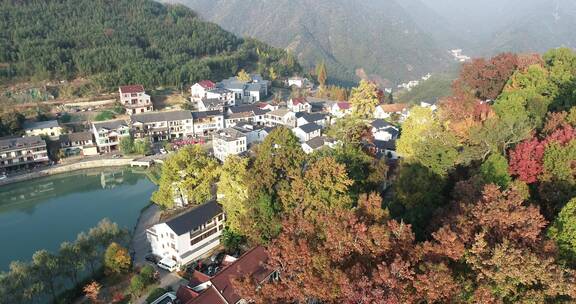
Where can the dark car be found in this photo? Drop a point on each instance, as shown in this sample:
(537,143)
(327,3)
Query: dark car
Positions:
(151,258)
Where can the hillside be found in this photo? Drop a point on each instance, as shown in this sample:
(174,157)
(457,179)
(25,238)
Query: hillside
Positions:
(123,41)
(368,38)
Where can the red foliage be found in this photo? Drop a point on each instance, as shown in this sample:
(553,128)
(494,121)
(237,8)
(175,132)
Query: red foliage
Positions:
(526,160)
(487,78)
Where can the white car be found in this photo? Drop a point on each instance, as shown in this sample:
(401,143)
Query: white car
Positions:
(168,264)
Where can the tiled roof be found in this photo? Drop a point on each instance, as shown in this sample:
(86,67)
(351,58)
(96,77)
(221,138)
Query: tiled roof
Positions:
(207,84)
(395,107)
(160,116)
(137,88)
(201,115)
(317,142)
(314,117)
(10,143)
(110,124)
(208,296)
(380,123)
(194,218)
(310,127)
(229,134)
(299,100)
(343,105)
(30,125)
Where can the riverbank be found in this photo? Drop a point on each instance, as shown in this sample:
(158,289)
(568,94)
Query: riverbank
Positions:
(58,169)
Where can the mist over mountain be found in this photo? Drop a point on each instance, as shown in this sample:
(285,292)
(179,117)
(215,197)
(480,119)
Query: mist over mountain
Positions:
(395,40)
(374,38)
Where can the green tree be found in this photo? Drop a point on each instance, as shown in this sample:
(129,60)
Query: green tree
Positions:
(137,285)
(142,146)
(147,273)
(272,74)
(364,99)
(495,171)
(71,262)
(321,74)
(45,267)
(559,162)
(188,175)
(563,231)
(117,259)
(233,191)
(127,145)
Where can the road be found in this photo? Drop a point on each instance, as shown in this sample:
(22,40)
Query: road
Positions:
(140,247)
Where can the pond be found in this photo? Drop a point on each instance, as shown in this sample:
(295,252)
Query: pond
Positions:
(43,213)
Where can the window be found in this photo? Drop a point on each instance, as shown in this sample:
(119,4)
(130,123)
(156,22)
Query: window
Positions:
(173,246)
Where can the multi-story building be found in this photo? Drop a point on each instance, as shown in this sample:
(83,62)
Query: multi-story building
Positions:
(22,151)
(78,143)
(48,128)
(207,122)
(199,89)
(280,117)
(299,105)
(135,100)
(188,236)
(210,104)
(307,131)
(160,126)
(109,133)
(244,113)
(229,141)
(226,96)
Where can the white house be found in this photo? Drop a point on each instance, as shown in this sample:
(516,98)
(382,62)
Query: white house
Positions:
(279,117)
(299,82)
(340,109)
(207,122)
(299,105)
(213,104)
(228,141)
(387,110)
(307,131)
(160,126)
(199,89)
(109,133)
(254,133)
(383,130)
(134,99)
(317,118)
(226,96)
(247,91)
(268,106)
(188,236)
(318,143)
(22,151)
(78,143)
(48,128)
(244,113)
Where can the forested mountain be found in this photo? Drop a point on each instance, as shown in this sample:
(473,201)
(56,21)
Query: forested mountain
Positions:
(374,38)
(123,41)
(492,26)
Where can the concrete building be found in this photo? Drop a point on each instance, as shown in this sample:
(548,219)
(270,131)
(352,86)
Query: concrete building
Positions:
(245,113)
(207,122)
(199,89)
(188,236)
(135,100)
(78,143)
(160,126)
(109,133)
(48,128)
(17,152)
(299,105)
(229,141)
(280,117)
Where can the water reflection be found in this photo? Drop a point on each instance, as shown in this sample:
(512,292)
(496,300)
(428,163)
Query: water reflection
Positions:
(48,211)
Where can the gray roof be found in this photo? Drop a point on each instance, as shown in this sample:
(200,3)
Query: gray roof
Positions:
(194,218)
(200,115)
(317,142)
(29,125)
(110,124)
(230,134)
(161,116)
(218,90)
(386,144)
(254,87)
(11,143)
(232,84)
(212,102)
(313,117)
(76,136)
(310,127)
(380,124)
(247,108)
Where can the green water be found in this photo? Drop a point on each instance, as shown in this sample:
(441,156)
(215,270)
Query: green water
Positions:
(42,213)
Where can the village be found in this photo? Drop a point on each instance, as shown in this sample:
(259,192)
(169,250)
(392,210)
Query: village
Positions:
(228,118)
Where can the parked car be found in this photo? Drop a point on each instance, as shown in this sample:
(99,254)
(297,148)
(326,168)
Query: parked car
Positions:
(168,264)
(151,258)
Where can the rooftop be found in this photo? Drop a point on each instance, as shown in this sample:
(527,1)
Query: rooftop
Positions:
(11,143)
(279,112)
(318,142)
(207,84)
(206,114)
(380,124)
(194,218)
(395,107)
(229,134)
(33,125)
(343,105)
(128,89)
(299,100)
(160,116)
(313,117)
(310,127)
(212,103)
(110,124)
(76,136)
